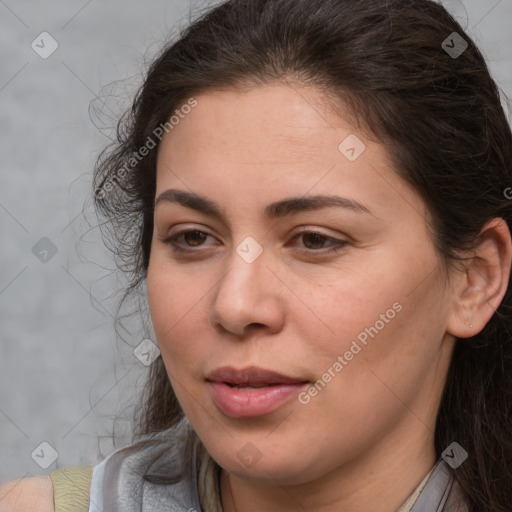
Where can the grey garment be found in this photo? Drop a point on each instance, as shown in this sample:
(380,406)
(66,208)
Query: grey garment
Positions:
(118,485)
(442,492)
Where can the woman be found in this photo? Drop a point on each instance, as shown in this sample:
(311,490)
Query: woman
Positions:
(316,195)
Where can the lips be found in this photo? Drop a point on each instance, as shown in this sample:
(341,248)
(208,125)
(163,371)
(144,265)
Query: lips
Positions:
(251,391)
(252,376)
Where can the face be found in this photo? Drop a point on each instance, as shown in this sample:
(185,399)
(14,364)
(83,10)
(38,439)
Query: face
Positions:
(347,297)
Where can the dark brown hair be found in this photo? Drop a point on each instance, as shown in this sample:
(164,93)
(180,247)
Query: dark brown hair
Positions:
(444,126)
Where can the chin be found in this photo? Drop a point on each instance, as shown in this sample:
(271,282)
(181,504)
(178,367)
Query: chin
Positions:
(286,467)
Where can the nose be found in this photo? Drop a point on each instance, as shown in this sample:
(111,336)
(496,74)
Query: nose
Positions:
(249,297)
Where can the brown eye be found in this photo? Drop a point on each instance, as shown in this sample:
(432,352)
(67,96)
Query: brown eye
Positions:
(185,241)
(194,238)
(313,240)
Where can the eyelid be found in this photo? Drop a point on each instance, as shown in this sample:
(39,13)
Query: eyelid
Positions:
(337,243)
(318,231)
(300,230)
(180,228)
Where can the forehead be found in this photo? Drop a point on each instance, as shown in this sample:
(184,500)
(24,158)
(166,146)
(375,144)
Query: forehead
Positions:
(275,141)
(264,123)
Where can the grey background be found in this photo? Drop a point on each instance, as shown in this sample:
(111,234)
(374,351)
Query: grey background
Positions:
(64,376)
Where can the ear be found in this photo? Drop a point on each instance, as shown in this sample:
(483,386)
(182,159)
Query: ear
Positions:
(480,288)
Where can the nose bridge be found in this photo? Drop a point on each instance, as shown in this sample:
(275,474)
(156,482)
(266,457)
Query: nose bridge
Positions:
(244,280)
(246,294)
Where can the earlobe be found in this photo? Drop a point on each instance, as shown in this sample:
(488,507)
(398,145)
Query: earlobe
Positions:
(482,286)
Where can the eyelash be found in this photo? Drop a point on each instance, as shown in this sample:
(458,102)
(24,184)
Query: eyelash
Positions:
(339,244)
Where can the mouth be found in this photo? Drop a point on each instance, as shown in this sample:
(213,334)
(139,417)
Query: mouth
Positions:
(249,386)
(251,377)
(252,391)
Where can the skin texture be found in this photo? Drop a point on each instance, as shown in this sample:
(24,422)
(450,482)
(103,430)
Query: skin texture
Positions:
(34,494)
(365,441)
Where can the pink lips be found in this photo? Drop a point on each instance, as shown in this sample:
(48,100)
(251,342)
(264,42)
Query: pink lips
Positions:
(270,390)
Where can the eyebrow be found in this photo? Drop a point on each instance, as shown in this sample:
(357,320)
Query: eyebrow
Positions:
(274,210)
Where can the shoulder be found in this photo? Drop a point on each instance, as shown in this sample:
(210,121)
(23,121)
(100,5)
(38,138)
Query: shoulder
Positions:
(32,494)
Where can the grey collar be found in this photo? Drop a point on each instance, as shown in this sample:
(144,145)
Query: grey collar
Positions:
(118,483)
(442,492)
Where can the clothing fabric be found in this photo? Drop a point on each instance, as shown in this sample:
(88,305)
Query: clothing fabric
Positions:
(172,472)
(71,488)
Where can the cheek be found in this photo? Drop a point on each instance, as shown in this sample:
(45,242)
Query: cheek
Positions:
(177,306)
(380,323)
(355,306)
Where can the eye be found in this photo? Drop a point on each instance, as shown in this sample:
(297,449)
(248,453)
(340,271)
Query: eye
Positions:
(191,237)
(312,240)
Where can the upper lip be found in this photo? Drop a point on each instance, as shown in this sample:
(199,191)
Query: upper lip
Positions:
(250,375)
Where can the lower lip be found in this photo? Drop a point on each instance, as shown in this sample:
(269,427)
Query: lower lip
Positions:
(244,403)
